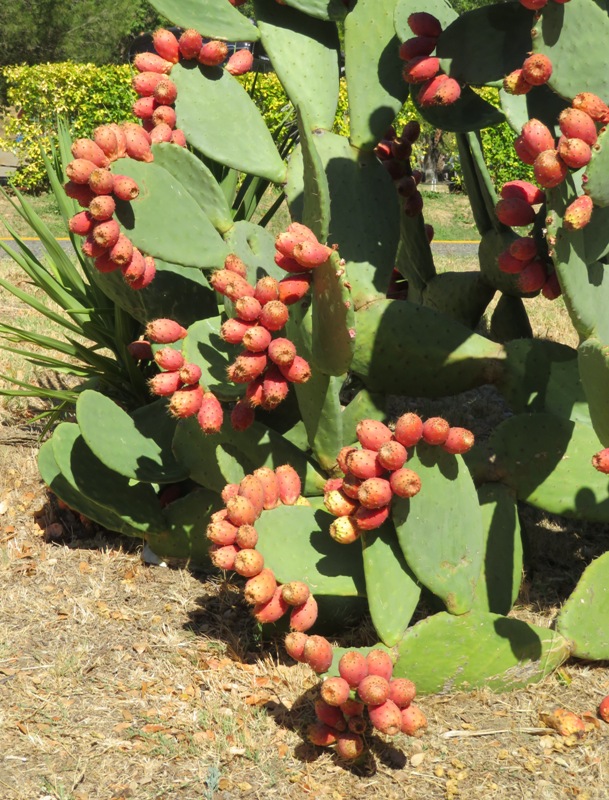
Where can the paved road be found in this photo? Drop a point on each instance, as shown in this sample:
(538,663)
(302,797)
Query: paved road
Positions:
(442,248)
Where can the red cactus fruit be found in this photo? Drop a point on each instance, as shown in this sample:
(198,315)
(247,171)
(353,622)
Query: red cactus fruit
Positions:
(247,537)
(256,339)
(532,277)
(413,205)
(275,388)
(165,92)
(102,208)
(221,532)
(179,137)
(591,105)
(233,263)
(106,233)
(603,709)
(578,213)
(352,708)
(417,46)
(423,24)
(514,212)
(274,315)
(458,441)
(148,276)
(287,263)
(294,288)
(392,455)
(151,62)
(550,170)
(311,254)
(335,691)
(515,83)
(533,5)
(507,263)
(88,150)
(169,359)
(140,350)
(248,563)
(421,69)
(298,371)
(260,588)
(524,248)
(104,263)
(439,91)
(248,308)
(272,610)
(373,690)
(270,486)
(79,170)
(82,193)
(349,746)
(247,367)
(330,715)
(551,288)
(537,137)
(332,485)
(295,593)
(161,133)
(408,429)
(339,504)
(282,352)
(135,269)
(230,490)
(386,717)
(164,384)
(240,62)
(402,692)
(350,485)
(125,188)
(101,181)
(210,417)
(267,289)
(576,124)
(143,107)
(364,464)
(344,530)
(435,430)
(375,493)
(295,644)
(574,152)
(413,720)
(369,519)
(524,153)
(600,461)
(223,557)
(288,484)
(252,488)
(379,663)
(120,139)
(405,482)
(372,434)
(317,653)
(190,43)
(213,53)
(303,616)
(322,735)
(166,45)
(138,144)
(164,115)
(241,511)
(190,374)
(93,249)
(254,393)
(353,668)
(144,83)
(81,224)
(357,725)
(233,330)
(105,138)
(523,190)
(537,69)
(341,458)
(242,415)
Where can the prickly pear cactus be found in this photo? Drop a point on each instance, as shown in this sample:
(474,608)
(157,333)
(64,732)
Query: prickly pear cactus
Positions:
(256,454)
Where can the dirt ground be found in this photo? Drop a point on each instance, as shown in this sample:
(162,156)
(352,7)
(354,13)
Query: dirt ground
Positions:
(119,680)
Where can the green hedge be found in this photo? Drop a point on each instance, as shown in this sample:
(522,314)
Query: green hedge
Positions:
(88,96)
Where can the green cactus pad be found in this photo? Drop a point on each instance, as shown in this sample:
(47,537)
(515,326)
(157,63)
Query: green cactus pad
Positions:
(333,318)
(365,405)
(204,346)
(478,183)
(593,363)
(597,185)
(179,293)
(477,649)
(255,246)
(573,36)
(392,589)
(76,500)
(441,9)
(321,9)
(547,461)
(187,520)
(198,181)
(136,503)
(596,242)
(140,445)
(501,577)
(316,192)
(181,232)
(414,258)
(373,68)
(225,457)
(540,375)
(221,120)
(500,37)
(461,296)
(510,320)
(296,544)
(469,113)
(442,541)
(436,356)
(304,52)
(364,213)
(216,19)
(583,618)
(491,245)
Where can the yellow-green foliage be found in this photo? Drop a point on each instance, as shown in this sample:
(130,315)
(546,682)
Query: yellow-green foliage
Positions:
(86,95)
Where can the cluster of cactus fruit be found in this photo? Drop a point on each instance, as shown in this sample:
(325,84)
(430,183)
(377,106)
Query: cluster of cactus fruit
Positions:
(276,490)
